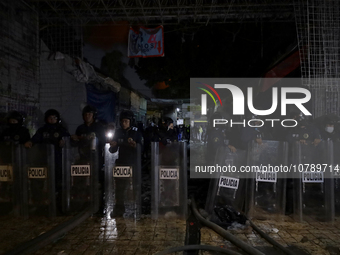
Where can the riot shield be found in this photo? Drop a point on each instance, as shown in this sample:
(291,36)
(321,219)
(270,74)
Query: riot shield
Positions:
(39,180)
(227,189)
(123,181)
(336,177)
(313,185)
(266,187)
(10,178)
(80,175)
(168,180)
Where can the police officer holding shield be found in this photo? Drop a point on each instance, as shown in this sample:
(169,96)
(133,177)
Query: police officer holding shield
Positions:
(126,137)
(167,133)
(125,142)
(83,139)
(330,130)
(305,133)
(15,131)
(257,132)
(90,128)
(52,132)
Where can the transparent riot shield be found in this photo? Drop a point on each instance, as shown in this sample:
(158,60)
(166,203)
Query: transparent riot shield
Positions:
(39,180)
(10,178)
(168,180)
(266,187)
(80,175)
(313,185)
(227,188)
(123,181)
(335,174)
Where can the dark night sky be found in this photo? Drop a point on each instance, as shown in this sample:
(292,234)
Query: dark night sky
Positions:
(228,50)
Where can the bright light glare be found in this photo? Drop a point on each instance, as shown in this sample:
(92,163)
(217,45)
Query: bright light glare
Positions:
(109,134)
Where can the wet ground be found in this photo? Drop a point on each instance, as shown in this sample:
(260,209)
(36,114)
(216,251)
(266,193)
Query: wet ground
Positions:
(103,235)
(16,230)
(123,236)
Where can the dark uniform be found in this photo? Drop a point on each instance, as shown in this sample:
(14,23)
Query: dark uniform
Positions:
(53,134)
(15,132)
(306,134)
(85,132)
(149,136)
(330,130)
(216,137)
(122,138)
(303,132)
(124,141)
(252,133)
(166,134)
(50,133)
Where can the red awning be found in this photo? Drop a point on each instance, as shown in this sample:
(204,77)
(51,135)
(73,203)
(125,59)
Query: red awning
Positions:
(281,70)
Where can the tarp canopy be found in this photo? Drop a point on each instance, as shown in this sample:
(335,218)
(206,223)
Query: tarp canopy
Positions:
(104,101)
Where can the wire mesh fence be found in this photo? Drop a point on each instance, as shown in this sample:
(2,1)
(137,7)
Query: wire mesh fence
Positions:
(19,59)
(317,25)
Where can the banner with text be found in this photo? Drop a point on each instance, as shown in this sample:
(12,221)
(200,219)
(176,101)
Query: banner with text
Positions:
(146,42)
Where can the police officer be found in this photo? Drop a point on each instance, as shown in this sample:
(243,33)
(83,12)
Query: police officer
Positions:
(329,131)
(90,128)
(126,139)
(15,131)
(218,136)
(166,132)
(257,132)
(52,132)
(305,133)
(84,137)
(149,136)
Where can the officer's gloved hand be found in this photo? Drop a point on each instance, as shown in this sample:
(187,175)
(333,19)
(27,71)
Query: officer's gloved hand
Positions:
(132,143)
(113,147)
(303,142)
(259,141)
(75,138)
(28,144)
(61,143)
(232,148)
(316,141)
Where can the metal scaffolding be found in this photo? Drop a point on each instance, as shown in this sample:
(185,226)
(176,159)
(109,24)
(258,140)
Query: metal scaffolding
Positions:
(62,22)
(317,23)
(65,38)
(162,12)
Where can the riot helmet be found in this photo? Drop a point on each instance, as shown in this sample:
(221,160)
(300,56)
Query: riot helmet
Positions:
(168,121)
(52,112)
(329,120)
(90,109)
(302,119)
(16,116)
(329,123)
(126,114)
(88,119)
